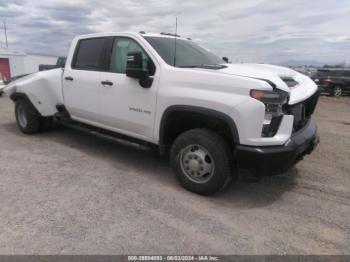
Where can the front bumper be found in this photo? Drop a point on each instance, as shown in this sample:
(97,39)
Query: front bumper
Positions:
(269,160)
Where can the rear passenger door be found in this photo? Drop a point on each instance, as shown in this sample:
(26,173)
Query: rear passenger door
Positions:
(81,80)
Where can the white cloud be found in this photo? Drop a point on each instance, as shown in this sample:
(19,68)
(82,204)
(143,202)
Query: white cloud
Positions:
(254,30)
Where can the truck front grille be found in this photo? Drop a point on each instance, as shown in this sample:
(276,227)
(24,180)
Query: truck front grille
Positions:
(302,111)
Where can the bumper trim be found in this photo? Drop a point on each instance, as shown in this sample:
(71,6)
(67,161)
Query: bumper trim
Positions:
(268,160)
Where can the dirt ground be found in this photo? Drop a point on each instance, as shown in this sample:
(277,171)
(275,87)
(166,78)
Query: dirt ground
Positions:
(66,192)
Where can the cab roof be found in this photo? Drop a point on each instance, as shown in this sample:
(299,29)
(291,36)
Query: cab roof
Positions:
(141,33)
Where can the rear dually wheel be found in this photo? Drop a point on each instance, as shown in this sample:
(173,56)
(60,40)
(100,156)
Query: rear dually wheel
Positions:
(27,118)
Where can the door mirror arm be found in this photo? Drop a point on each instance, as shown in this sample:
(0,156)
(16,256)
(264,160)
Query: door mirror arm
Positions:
(225,59)
(146,82)
(134,69)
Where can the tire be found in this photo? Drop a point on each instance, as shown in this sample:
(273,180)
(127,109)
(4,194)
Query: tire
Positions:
(27,118)
(337,91)
(201,160)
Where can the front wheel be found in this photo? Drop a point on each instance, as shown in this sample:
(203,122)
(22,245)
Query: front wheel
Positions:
(201,160)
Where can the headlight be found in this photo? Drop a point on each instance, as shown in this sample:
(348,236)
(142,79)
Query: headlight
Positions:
(273,101)
(270,97)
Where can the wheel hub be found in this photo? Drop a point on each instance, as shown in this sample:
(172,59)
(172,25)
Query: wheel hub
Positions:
(22,118)
(197,163)
(194,165)
(337,91)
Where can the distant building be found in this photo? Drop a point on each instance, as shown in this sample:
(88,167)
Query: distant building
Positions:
(14,63)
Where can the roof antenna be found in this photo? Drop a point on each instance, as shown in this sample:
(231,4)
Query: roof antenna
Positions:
(175,42)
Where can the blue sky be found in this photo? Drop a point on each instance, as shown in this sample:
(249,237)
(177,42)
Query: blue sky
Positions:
(246,31)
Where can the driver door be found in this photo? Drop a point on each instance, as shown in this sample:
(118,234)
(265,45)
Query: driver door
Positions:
(128,108)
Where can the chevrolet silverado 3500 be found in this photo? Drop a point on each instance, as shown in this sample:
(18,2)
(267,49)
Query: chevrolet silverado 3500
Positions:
(210,116)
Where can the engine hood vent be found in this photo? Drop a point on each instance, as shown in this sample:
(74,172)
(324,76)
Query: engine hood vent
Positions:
(289,81)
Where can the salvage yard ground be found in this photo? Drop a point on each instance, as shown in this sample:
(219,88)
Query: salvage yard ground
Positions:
(66,192)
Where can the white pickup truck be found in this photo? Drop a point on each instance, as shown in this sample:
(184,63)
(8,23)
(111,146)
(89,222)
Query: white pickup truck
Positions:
(212,117)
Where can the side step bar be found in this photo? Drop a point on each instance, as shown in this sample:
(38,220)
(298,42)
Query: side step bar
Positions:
(108,135)
(64,117)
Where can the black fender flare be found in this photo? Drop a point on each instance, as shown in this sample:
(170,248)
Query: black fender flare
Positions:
(18,95)
(200,110)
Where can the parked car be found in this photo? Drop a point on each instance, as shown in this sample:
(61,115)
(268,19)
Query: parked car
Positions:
(60,63)
(210,116)
(335,82)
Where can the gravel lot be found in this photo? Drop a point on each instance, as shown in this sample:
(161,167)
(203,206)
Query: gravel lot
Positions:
(66,192)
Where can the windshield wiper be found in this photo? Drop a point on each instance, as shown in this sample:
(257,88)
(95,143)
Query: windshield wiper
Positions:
(189,66)
(206,66)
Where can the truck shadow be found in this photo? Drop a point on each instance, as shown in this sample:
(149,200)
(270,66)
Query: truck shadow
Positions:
(243,195)
(267,190)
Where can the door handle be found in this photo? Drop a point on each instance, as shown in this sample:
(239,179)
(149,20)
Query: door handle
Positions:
(107,83)
(69,78)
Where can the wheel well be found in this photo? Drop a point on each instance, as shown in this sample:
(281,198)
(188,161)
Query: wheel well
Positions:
(21,96)
(15,96)
(179,119)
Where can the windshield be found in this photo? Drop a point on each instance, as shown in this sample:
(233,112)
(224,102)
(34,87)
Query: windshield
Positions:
(188,54)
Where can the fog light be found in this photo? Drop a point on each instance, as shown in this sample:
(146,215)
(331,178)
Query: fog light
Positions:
(267,119)
(270,129)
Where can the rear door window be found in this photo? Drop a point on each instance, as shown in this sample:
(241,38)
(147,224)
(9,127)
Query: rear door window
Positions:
(89,53)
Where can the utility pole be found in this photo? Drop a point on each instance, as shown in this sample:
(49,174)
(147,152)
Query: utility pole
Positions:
(5,30)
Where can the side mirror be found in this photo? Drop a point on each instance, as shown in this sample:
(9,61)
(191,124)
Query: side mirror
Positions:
(225,59)
(134,66)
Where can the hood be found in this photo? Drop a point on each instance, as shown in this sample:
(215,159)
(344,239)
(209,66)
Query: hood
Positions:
(299,86)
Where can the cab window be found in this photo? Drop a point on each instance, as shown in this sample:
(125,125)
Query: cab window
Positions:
(88,54)
(120,50)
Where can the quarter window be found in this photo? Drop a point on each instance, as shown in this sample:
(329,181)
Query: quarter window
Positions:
(89,53)
(121,48)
